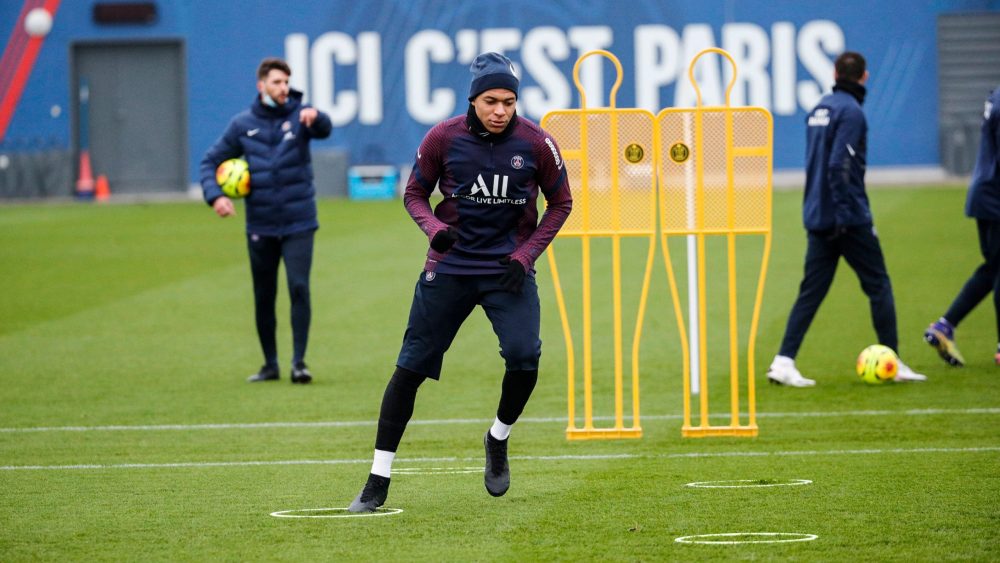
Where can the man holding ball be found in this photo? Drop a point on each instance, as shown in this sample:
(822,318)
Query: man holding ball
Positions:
(273,137)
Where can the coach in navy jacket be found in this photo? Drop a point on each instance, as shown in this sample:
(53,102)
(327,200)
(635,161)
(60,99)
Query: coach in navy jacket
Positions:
(838,220)
(983,205)
(273,136)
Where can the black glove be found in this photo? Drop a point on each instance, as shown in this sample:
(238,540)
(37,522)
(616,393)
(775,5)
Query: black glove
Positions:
(444,240)
(512,280)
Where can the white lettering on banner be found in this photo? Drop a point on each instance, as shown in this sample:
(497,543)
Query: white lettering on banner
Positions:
(467,42)
(297,57)
(767,67)
(543,45)
(748,45)
(589,38)
(540,48)
(425,105)
(370,78)
(657,53)
(783,67)
(500,40)
(317,69)
(337,48)
(694,39)
(817,41)
(662,58)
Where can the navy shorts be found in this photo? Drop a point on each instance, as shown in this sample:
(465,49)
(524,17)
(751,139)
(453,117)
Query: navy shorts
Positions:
(442,302)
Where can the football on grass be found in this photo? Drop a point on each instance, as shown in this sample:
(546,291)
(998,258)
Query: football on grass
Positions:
(877,363)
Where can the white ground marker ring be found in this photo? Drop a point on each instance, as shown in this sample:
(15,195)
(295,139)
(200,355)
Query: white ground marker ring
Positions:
(437,470)
(336,513)
(748,483)
(751,537)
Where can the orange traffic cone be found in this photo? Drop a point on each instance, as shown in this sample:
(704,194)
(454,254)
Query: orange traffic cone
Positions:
(85,183)
(101,190)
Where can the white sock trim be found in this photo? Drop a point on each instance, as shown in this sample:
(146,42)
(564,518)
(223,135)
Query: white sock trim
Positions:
(499,430)
(382,463)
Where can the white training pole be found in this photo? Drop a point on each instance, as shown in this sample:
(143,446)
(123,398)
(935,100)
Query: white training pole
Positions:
(692,263)
(692,255)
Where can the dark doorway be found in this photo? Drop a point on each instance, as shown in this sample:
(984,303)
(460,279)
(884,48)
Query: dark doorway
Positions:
(137,117)
(968,70)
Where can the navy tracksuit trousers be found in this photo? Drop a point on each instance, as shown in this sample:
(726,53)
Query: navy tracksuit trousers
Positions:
(442,302)
(266,254)
(860,247)
(985,279)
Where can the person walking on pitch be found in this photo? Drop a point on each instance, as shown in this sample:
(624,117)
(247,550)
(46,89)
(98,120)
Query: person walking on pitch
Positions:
(838,221)
(982,204)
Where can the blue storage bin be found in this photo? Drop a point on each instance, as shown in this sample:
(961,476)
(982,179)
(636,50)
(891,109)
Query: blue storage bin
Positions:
(372,182)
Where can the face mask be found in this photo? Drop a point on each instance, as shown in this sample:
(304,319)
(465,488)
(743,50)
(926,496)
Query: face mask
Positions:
(268,101)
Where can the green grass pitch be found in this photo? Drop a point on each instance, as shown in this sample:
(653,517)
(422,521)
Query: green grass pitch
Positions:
(127,431)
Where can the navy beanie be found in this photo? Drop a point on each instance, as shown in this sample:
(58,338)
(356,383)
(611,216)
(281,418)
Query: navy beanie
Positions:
(492,70)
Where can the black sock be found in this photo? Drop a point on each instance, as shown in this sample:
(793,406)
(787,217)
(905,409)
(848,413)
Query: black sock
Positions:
(517,388)
(397,408)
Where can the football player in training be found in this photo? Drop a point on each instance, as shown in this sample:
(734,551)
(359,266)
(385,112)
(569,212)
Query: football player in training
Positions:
(490,165)
(838,220)
(982,204)
(273,136)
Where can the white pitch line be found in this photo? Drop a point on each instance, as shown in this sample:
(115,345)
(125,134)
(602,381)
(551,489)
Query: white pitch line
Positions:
(450,421)
(568,457)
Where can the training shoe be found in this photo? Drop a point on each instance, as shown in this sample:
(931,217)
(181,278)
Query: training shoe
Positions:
(497,473)
(372,496)
(266,373)
(905,374)
(300,373)
(941,336)
(784,372)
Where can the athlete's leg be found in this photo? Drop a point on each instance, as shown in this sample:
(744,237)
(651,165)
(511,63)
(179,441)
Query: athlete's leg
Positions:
(297,251)
(983,280)
(265,256)
(441,303)
(864,253)
(820,266)
(516,319)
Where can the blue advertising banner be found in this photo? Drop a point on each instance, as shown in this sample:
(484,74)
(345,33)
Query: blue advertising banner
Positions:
(387,70)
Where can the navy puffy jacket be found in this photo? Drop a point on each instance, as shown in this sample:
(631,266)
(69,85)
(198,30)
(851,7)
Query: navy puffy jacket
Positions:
(276,146)
(836,153)
(983,201)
